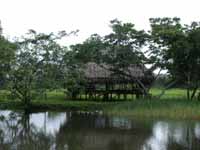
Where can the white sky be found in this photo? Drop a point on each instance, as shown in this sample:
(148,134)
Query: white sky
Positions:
(89,16)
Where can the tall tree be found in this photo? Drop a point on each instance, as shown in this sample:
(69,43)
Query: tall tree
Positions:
(90,50)
(175,47)
(124,46)
(37,65)
(7,56)
(73,78)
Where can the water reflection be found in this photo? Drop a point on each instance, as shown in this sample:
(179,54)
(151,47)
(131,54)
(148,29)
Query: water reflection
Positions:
(17,133)
(173,135)
(85,131)
(49,122)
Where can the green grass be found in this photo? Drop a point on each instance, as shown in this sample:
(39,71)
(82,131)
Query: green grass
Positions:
(174,93)
(55,100)
(58,95)
(172,105)
(166,108)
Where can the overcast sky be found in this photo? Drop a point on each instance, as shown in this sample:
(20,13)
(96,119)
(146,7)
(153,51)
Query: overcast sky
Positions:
(89,16)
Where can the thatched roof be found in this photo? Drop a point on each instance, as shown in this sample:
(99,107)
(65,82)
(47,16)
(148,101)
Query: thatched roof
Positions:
(95,71)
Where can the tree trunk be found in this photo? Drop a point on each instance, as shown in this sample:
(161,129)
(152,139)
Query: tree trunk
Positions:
(188,93)
(194,92)
(188,87)
(167,87)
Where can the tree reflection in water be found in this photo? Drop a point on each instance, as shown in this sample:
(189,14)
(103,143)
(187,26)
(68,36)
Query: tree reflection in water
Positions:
(16,133)
(173,136)
(79,131)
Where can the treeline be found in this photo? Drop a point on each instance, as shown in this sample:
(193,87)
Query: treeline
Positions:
(36,62)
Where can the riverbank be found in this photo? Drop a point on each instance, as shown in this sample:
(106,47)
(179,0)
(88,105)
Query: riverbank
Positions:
(171,106)
(55,105)
(167,109)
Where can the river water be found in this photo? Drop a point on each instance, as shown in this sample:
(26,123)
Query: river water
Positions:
(94,131)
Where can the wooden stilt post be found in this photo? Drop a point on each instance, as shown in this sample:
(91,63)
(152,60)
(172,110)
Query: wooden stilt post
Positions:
(125,96)
(137,96)
(118,95)
(106,94)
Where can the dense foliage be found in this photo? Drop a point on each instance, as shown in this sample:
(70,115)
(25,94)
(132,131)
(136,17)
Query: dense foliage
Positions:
(7,57)
(37,62)
(176,47)
(37,66)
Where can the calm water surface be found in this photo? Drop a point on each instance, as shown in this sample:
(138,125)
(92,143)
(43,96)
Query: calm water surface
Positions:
(92,131)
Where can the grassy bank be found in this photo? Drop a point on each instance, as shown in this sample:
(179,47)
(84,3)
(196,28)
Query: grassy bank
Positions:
(173,105)
(56,105)
(55,100)
(166,108)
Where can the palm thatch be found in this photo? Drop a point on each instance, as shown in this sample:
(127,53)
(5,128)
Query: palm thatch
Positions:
(107,82)
(101,73)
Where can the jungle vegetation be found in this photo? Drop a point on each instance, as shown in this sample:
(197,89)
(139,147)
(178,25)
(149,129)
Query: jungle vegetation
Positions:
(36,63)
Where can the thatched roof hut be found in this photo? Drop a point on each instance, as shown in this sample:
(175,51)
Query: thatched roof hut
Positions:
(103,80)
(101,73)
